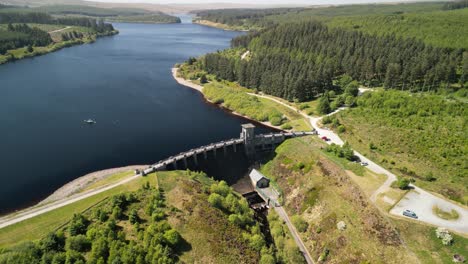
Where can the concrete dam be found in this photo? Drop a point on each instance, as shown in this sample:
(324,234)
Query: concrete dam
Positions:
(247,142)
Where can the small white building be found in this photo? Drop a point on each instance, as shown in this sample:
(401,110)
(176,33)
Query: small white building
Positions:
(259,180)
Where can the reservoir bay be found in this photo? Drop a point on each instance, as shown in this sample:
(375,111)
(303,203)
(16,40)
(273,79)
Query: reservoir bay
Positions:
(123,82)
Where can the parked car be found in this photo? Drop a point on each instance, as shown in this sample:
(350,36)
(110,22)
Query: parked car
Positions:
(364,163)
(410,213)
(325,138)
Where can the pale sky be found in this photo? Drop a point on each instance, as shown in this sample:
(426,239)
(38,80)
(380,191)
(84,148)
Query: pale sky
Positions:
(255,2)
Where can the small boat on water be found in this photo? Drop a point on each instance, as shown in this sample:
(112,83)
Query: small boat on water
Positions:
(90,121)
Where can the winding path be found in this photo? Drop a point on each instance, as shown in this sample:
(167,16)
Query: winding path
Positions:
(418,200)
(59,30)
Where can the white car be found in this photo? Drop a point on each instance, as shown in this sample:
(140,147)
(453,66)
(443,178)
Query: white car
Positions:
(364,163)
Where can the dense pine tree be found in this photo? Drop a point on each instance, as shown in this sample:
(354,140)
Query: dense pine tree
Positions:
(300,61)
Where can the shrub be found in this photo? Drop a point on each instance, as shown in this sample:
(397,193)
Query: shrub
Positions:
(203,79)
(257,242)
(299,223)
(221,188)
(444,235)
(352,88)
(78,225)
(172,237)
(276,120)
(324,255)
(52,242)
(78,243)
(372,146)
(341,129)
(286,126)
(324,105)
(327,120)
(350,101)
(267,259)
(429,177)
(401,183)
(216,200)
(133,217)
(304,106)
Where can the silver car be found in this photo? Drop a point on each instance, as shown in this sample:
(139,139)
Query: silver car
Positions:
(410,213)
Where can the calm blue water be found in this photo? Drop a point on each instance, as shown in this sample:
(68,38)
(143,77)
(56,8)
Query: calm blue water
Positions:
(124,83)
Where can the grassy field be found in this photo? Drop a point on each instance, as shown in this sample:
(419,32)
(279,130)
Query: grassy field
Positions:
(423,241)
(419,136)
(322,190)
(37,227)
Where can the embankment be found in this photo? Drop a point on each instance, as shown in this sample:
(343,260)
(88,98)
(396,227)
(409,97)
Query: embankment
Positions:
(199,88)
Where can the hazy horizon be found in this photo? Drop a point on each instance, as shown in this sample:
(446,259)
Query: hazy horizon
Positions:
(259,2)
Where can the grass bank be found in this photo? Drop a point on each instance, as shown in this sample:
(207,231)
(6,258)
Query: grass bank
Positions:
(37,227)
(420,136)
(232,96)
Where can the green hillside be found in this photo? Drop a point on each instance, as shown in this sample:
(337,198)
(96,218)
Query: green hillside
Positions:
(441,29)
(432,22)
(424,137)
(168,217)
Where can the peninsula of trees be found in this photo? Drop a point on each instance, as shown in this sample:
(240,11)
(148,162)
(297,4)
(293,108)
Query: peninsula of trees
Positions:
(26,32)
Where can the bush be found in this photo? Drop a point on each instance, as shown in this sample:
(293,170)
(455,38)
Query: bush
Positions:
(256,242)
(341,129)
(276,121)
(444,235)
(299,223)
(78,225)
(324,105)
(221,188)
(286,126)
(133,217)
(327,120)
(52,242)
(203,79)
(216,200)
(79,243)
(304,106)
(172,237)
(267,259)
(429,177)
(352,89)
(401,183)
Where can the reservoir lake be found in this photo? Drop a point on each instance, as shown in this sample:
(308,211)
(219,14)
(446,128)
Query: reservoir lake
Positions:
(123,82)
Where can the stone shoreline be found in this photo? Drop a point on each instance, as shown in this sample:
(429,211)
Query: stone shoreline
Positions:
(82,182)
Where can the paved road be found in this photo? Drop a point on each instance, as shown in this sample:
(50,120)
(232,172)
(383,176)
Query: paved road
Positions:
(421,202)
(30,213)
(418,200)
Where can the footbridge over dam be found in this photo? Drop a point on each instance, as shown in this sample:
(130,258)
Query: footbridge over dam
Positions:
(247,142)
